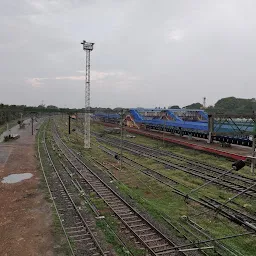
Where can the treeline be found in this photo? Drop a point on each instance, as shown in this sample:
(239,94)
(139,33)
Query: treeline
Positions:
(51,108)
(226,105)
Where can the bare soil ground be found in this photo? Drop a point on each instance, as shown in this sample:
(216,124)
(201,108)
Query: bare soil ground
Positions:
(25,216)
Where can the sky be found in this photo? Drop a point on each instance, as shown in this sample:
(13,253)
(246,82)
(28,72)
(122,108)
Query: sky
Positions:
(147,53)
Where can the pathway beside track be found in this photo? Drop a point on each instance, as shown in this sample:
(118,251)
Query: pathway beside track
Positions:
(25,216)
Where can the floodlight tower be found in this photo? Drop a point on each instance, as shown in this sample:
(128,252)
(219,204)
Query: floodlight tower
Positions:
(204,102)
(87,47)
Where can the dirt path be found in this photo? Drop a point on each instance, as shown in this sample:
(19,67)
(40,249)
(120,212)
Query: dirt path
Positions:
(25,216)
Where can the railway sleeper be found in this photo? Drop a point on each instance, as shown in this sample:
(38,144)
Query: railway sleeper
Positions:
(80,235)
(102,190)
(104,195)
(95,183)
(159,247)
(151,240)
(120,208)
(143,230)
(76,230)
(111,197)
(129,218)
(148,234)
(74,227)
(112,202)
(137,226)
(133,221)
(129,213)
(83,239)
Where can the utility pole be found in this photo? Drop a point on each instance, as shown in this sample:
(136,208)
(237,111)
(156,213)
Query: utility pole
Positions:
(122,140)
(210,128)
(7,123)
(32,122)
(253,145)
(87,47)
(69,124)
(164,126)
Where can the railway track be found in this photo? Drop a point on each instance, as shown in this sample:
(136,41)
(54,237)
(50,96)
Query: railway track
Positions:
(245,217)
(229,214)
(80,237)
(147,171)
(241,218)
(195,162)
(227,181)
(148,235)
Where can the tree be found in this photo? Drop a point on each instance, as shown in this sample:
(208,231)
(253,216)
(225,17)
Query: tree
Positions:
(194,106)
(52,107)
(235,105)
(174,107)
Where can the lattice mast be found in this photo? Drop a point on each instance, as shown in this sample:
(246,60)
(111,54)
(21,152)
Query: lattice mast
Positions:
(87,47)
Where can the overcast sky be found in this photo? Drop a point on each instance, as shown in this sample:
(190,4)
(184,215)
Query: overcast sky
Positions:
(147,53)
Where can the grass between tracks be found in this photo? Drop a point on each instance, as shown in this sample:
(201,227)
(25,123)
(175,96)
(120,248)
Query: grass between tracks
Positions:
(60,244)
(108,227)
(158,200)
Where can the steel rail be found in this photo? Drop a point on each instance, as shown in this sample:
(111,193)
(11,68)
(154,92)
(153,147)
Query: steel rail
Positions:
(148,171)
(195,162)
(51,196)
(191,170)
(79,188)
(98,247)
(231,215)
(216,169)
(236,212)
(99,185)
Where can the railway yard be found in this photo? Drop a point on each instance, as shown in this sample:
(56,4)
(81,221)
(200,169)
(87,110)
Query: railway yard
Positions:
(146,203)
(128,128)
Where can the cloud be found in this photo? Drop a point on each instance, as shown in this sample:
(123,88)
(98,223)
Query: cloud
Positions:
(99,75)
(138,58)
(118,76)
(76,78)
(175,35)
(35,82)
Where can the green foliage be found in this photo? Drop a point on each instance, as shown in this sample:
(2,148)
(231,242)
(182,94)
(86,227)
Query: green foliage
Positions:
(194,106)
(174,107)
(235,105)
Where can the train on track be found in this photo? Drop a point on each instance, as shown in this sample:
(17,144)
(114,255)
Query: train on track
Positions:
(183,122)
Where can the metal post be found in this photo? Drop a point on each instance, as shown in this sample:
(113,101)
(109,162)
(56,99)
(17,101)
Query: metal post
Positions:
(69,124)
(180,130)
(253,153)
(87,103)
(32,119)
(253,144)
(164,126)
(7,123)
(122,141)
(87,47)
(210,128)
